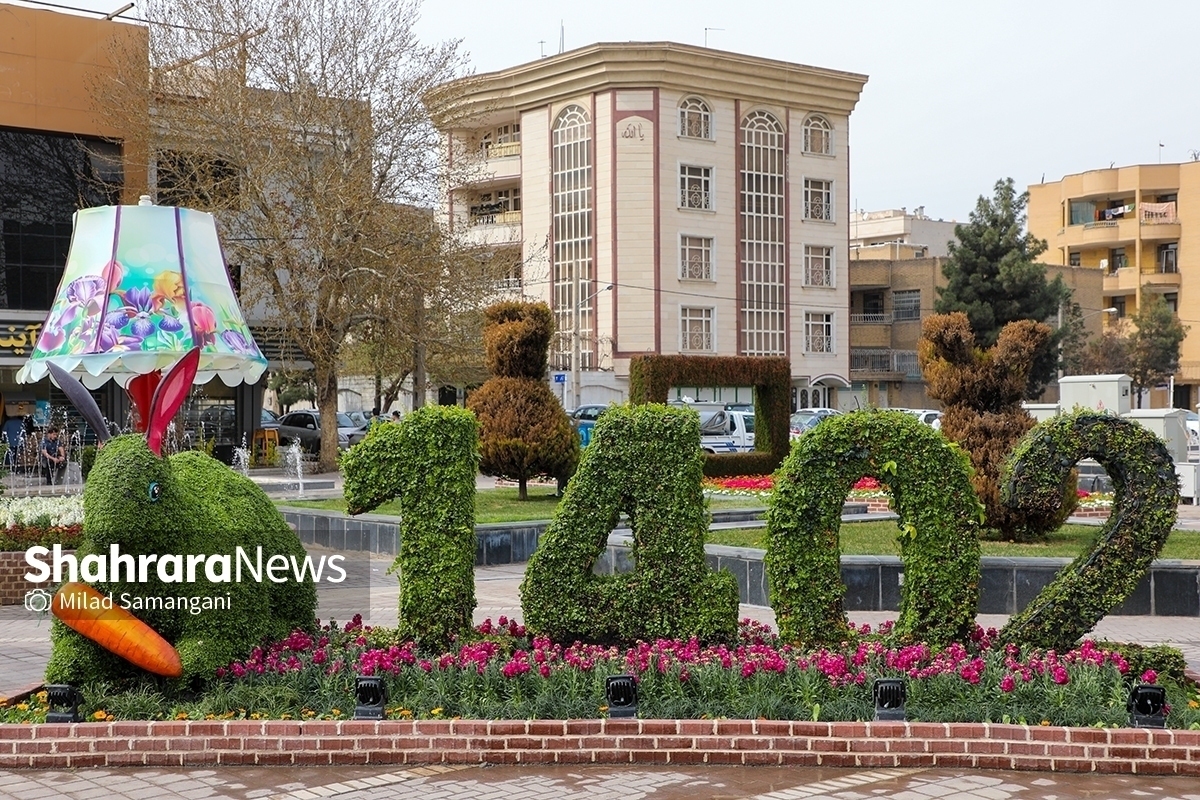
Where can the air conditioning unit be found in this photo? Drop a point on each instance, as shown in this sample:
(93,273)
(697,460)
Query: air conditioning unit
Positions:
(1104,264)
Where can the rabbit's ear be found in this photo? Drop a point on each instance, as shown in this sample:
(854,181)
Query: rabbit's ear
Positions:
(169,396)
(82,399)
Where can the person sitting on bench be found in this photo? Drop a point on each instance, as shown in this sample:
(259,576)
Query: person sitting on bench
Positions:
(54,459)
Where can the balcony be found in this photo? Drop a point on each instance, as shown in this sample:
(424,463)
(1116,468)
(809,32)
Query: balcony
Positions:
(878,318)
(505,150)
(883,365)
(1099,233)
(1161,279)
(494,218)
(869,335)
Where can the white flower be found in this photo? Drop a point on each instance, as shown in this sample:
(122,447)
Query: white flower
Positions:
(66,510)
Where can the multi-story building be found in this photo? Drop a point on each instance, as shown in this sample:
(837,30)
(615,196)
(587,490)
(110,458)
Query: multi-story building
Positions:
(1132,225)
(895,233)
(888,300)
(668,199)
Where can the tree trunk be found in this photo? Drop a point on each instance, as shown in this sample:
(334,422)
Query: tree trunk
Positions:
(378,392)
(419,353)
(327,404)
(522,488)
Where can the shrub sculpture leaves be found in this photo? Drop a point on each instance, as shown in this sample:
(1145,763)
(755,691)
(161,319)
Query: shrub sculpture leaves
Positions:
(524,430)
(185,504)
(644,461)
(929,479)
(981,391)
(428,462)
(1144,508)
(652,376)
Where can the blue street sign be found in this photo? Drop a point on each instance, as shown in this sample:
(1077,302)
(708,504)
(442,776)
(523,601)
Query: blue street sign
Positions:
(560,377)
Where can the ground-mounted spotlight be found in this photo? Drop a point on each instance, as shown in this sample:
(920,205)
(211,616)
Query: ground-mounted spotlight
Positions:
(370,695)
(889,699)
(1147,706)
(621,693)
(66,698)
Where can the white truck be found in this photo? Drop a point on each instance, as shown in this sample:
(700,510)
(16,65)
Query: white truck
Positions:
(723,431)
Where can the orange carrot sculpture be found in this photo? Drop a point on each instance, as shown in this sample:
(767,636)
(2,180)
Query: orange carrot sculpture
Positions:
(91,614)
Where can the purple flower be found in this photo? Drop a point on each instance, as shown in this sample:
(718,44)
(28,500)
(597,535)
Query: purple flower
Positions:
(139,300)
(82,291)
(236,341)
(170,324)
(142,326)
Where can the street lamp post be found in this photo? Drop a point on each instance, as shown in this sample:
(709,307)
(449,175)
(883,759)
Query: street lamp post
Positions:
(575,346)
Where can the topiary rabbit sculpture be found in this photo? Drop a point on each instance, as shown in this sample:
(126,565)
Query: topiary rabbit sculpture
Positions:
(144,503)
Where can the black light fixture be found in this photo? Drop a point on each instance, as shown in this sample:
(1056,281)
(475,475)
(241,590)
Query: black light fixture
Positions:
(1147,706)
(889,699)
(370,694)
(621,693)
(66,697)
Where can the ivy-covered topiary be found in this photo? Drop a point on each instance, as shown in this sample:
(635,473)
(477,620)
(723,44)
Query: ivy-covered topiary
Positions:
(1145,504)
(652,376)
(644,461)
(186,504)
(428,462)
(929,479)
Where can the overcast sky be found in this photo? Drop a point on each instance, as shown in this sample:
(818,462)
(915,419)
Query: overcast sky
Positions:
(961,92)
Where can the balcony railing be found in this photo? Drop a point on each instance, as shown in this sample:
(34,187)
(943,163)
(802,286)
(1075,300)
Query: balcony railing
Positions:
(818,209)
(883,318)
(1158,214)
(901,361)
(496,218)
(508,285)
(505,150)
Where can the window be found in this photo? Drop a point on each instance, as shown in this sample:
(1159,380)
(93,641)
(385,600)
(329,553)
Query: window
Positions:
(500,136)
(873,306)
(1074,259)
(695,119)
(1168,257)
(1082,212)
(1172,301)
(695,330)
(906,304)
(818,136)
(1117,259)
(818,199)
(571,170)
(1119,304)
(492,206)
(761,237)
(695,258)
(818,332)
(818,265)
(695,187)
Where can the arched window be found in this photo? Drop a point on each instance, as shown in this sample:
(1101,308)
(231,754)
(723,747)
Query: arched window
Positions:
(762,236)
(695,118)
(818,136)
(571,167)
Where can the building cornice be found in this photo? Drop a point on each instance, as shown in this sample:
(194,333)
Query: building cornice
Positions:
(668,65)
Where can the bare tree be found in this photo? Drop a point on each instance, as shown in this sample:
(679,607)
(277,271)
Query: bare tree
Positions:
(303,126)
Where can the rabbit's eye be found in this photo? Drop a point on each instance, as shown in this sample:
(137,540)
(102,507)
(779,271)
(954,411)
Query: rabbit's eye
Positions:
(155,491)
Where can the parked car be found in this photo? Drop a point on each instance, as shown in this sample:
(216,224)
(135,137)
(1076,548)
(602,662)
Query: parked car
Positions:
(305,427)
(805,419)
(929,416)
(726,431)
(268,419)
(583,419)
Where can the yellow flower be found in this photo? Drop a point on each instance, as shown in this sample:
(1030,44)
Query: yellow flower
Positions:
(255,716)
(337,712)
(1045,722)
(42,695)
(100,714)
(210,716)
(22,706)
(1193,704)
(436,711)
(109,718)
(181,715)
(603,709)
(404,712)
(285,716)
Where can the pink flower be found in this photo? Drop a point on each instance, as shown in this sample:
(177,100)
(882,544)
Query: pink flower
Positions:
(1007,684)
(1060,675)
(1149,676)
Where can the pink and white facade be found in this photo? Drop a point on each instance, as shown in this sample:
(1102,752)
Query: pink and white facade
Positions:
(707,189)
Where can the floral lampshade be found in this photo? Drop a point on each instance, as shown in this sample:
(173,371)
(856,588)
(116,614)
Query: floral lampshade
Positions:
(143,285)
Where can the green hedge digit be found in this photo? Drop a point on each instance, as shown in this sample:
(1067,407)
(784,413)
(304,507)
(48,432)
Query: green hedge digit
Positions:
(929,479)
(644,461)
(1144,509)
(428,462)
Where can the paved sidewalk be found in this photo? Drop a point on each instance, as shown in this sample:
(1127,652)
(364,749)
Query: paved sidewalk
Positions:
(584,783)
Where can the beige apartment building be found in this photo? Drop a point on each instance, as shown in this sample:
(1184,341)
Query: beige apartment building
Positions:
(1131,225)
(667,198)
(888,300)
(896,233)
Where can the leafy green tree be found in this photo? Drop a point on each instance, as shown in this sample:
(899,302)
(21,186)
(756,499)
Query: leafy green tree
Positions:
(291,388)
(994,278)
(523,430)
(1154,344)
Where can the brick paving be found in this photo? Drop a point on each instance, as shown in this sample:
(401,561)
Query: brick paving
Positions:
(583,783)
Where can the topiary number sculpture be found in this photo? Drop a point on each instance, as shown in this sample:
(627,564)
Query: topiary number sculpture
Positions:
(1144,509)
(428,462)
(929,479)
(644,461)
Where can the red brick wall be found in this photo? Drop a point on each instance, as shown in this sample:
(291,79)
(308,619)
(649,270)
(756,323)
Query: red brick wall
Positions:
(12,586)
(837,744)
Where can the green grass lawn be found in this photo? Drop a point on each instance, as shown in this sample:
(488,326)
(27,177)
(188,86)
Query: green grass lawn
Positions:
(879,539)
(502,505)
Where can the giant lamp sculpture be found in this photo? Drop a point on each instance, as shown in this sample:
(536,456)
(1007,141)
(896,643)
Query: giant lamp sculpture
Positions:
(142,286)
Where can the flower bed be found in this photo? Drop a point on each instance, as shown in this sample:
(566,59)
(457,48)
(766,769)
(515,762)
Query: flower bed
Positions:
(868,490)
(502,674)
(29,521)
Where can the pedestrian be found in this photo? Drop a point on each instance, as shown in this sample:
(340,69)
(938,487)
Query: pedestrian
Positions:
(395,416)
(53,458)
